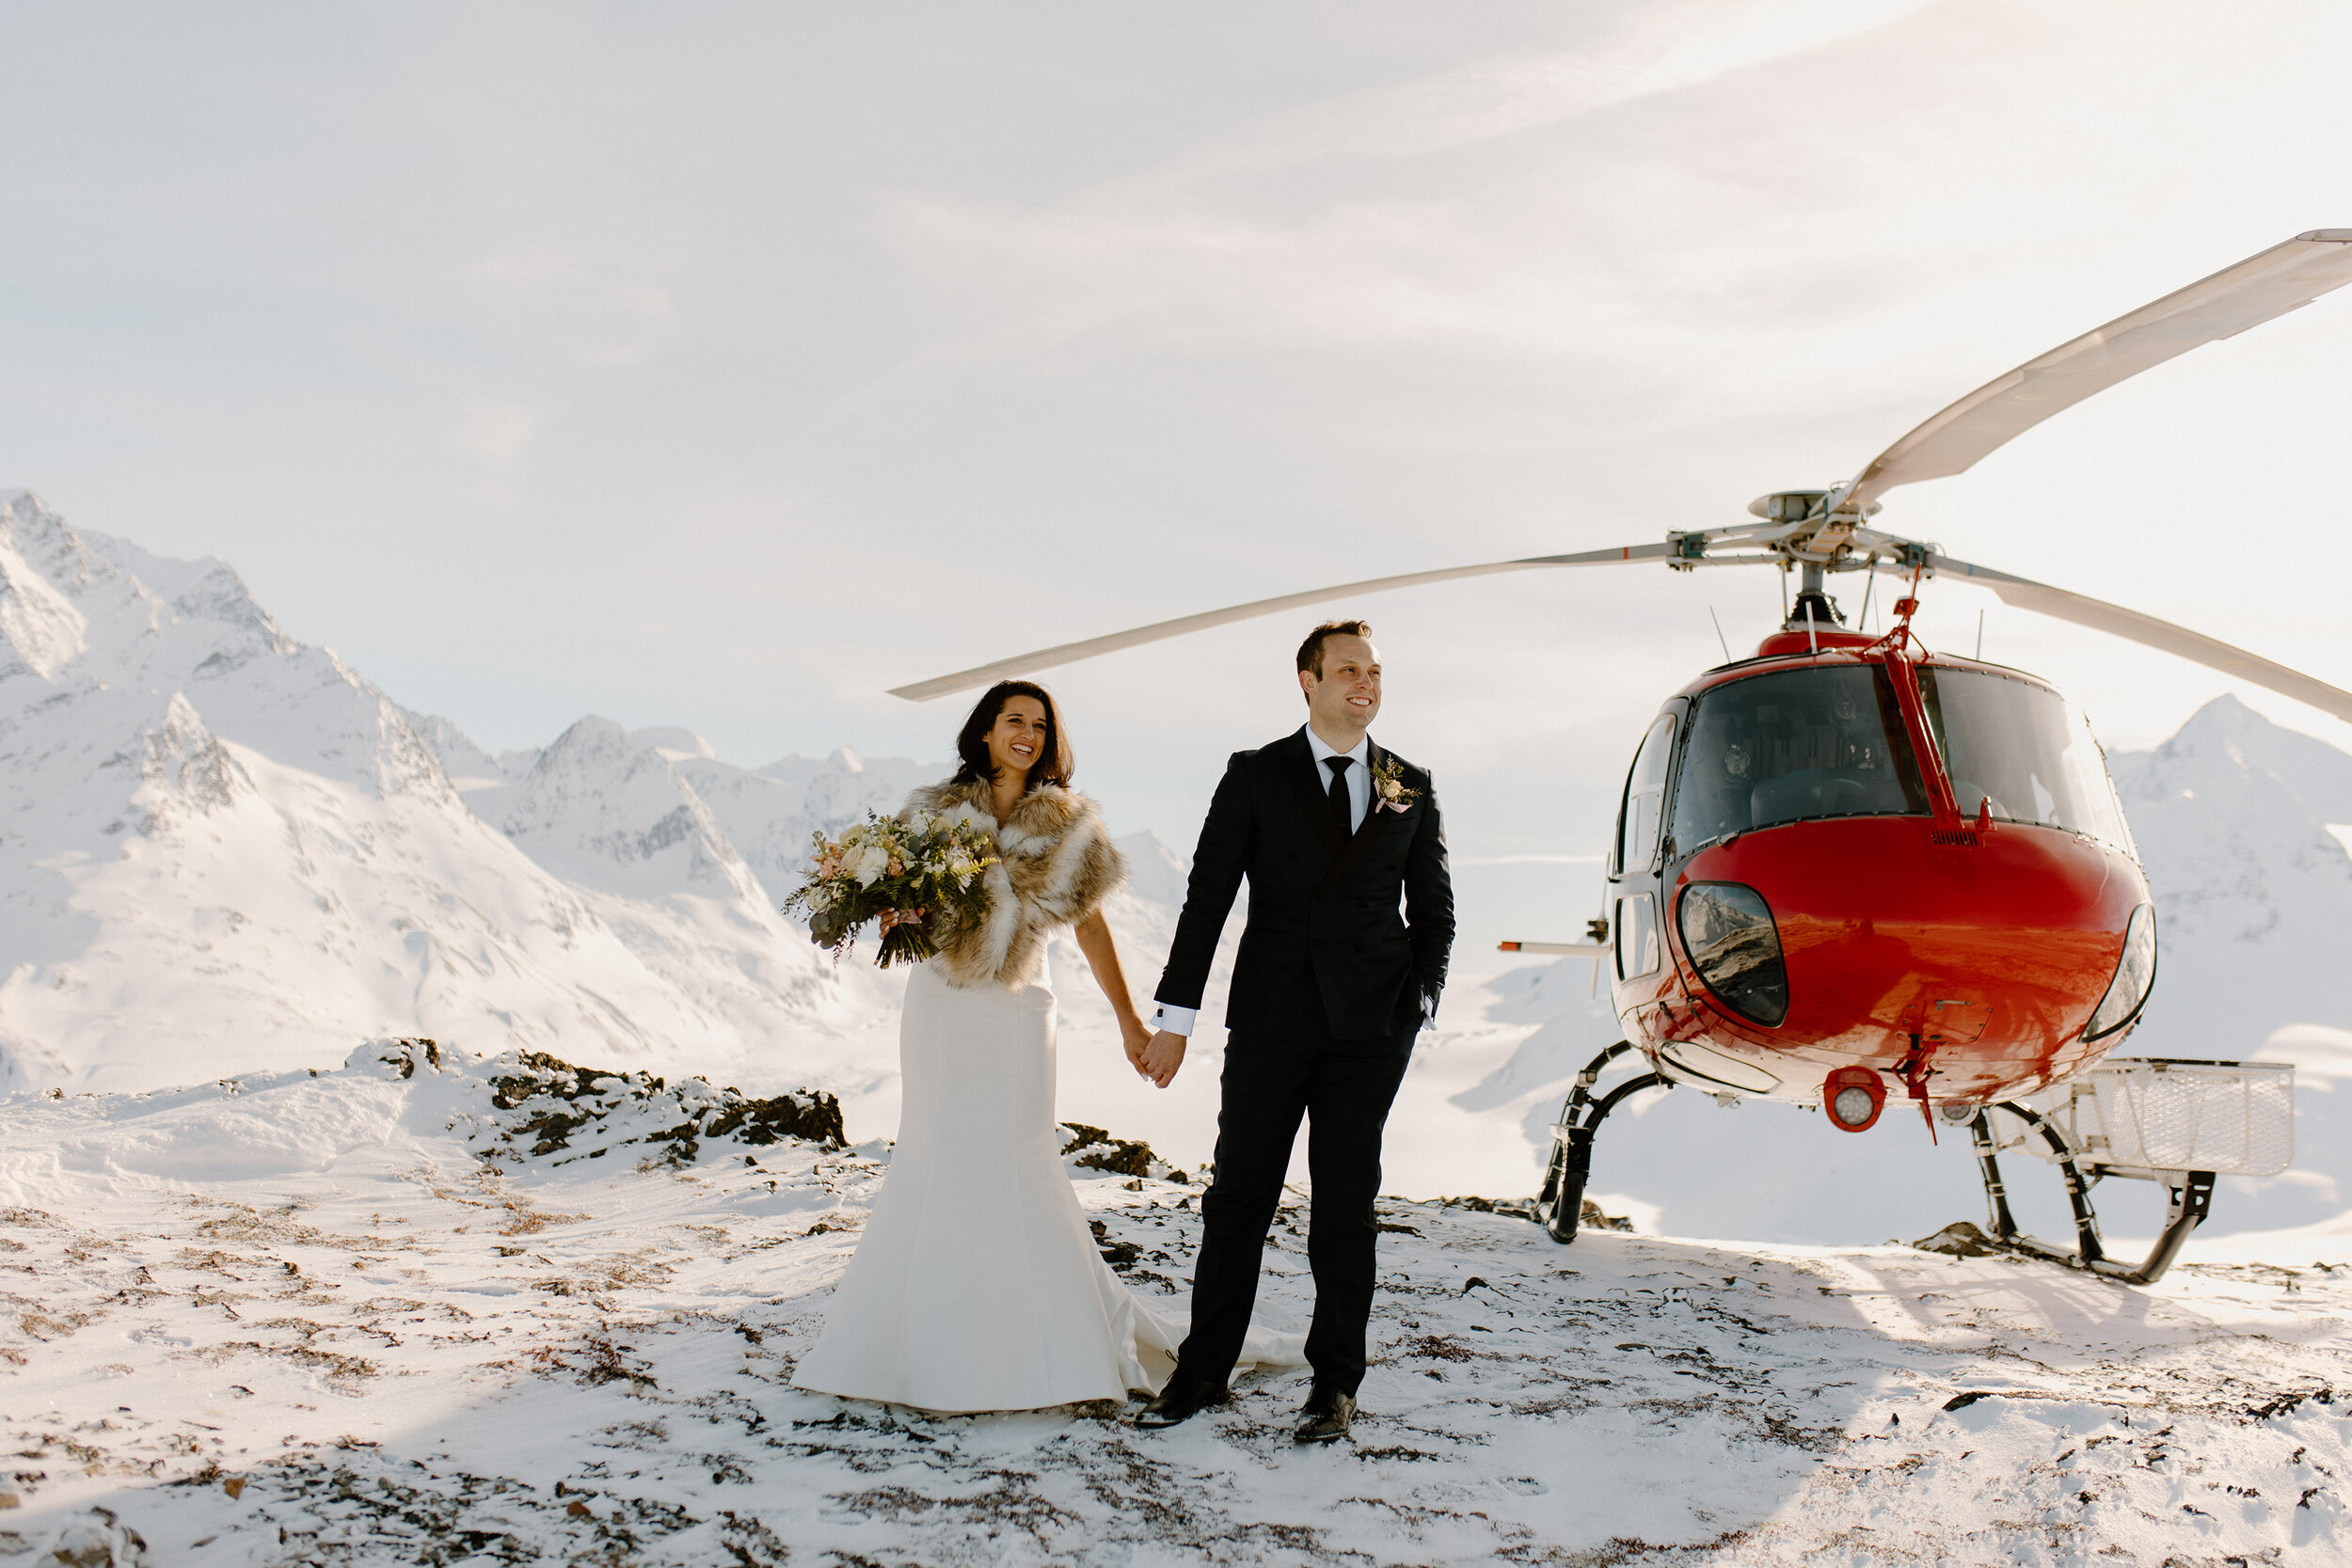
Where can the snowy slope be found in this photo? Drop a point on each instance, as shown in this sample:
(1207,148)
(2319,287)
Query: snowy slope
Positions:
(2232,817)
(224,850)
(764,815)
(348,1319)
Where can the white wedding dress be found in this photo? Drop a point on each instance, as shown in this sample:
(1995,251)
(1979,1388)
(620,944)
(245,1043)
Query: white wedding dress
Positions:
(976,1285)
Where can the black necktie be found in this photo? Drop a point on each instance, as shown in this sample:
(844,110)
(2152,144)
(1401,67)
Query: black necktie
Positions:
(1342,809)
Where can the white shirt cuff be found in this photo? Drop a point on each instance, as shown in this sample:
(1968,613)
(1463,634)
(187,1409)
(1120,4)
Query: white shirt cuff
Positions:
(1176,1020)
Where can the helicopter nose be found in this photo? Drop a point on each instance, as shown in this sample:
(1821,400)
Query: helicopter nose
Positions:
(1982,964)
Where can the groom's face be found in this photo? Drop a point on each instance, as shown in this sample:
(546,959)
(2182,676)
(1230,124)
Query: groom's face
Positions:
(1347,694)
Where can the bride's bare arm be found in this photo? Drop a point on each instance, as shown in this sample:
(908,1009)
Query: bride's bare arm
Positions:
(1101,950)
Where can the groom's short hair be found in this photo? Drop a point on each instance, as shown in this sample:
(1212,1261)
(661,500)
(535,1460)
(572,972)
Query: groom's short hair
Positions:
(1310,651)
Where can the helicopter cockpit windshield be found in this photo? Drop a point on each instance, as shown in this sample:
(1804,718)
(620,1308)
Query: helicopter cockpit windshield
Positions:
(1793,745)
(2022,753)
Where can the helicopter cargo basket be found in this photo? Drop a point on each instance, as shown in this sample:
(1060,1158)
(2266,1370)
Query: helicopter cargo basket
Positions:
(2177,1124)
(2142,1116)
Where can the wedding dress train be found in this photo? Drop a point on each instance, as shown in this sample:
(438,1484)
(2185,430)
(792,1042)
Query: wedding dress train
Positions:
(976,1284)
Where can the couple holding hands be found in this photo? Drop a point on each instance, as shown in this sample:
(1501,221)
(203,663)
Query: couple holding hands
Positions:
(976,1285)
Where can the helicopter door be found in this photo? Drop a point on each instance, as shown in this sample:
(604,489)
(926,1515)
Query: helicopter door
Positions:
(1637,943)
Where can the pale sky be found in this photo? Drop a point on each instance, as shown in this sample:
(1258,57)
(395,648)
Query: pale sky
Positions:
(726,365)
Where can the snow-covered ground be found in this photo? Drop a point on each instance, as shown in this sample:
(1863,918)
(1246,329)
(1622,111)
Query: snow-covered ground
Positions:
(349,1318)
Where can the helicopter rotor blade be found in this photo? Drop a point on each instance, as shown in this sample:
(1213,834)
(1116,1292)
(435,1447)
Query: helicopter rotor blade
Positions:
(2284,277)
(1003,668)
(2062,604)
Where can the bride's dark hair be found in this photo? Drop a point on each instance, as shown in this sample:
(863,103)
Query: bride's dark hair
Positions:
(1054,768)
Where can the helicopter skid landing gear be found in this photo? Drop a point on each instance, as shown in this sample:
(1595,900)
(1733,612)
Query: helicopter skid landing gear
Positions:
(2191,1193)
(1561,1205)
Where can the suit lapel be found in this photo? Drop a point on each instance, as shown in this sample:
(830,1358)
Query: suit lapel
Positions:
(1374,759)
(1314,797)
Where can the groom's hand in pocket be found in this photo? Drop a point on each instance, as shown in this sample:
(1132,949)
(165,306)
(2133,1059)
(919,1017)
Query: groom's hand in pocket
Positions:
(1162,1056)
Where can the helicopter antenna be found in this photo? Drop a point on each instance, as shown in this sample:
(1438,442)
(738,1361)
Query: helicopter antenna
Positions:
(1868,584)
(1784,592)
(1719,632)
(1979,631)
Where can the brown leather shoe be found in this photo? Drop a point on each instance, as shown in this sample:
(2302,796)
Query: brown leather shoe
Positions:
(1181,1400)
(1325,1416)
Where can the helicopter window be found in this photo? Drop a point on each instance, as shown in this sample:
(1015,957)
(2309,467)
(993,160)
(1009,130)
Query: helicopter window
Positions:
(1636,932)
(2017,750)
(1645,807)
(1793,746)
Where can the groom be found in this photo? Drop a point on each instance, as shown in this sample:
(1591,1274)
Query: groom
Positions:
(1331,984)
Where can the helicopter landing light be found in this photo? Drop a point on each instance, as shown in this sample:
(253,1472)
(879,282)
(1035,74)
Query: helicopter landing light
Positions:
(1852,1097)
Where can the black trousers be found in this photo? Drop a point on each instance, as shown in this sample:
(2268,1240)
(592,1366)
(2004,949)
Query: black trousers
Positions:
(1344,1089)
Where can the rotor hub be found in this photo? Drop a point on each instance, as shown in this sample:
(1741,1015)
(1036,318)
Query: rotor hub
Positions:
(1813,607)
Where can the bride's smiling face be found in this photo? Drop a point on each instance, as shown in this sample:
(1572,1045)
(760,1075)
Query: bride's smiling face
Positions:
(1019,737)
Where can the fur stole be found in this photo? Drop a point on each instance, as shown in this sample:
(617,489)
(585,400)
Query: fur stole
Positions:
(1055,866)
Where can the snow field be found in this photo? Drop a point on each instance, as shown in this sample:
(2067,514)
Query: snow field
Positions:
(305,1319)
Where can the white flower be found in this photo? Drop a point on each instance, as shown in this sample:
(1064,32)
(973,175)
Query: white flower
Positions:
(871,862)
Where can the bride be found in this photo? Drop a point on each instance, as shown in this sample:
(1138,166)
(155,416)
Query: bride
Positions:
(976,1285)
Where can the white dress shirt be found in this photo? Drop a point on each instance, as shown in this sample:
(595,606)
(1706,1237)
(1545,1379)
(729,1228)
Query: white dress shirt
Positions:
(1358,775)
(1179,1020)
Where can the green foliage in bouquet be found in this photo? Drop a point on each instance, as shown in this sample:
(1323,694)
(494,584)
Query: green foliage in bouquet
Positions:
(918,878)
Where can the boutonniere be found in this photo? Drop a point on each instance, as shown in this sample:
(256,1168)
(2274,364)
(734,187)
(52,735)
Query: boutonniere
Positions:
(1387,783)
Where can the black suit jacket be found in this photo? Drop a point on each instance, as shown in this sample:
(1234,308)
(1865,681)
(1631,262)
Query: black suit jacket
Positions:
(1327,946)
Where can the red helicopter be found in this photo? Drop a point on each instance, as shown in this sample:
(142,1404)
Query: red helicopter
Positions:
(1849,870)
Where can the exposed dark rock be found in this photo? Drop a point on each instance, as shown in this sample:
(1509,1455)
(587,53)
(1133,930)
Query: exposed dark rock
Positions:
(1591,1218)
(555,1105)
(1118,1255)
(401,1055)
(1096,1150)
(1958,1239)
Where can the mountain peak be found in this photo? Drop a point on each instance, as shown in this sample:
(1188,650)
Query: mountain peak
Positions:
(2225,744)
(1155,873)
(2226,715)
(130,598)
(591,733)
(41,630)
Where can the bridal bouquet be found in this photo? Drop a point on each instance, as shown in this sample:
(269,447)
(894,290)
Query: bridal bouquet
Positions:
(914,876)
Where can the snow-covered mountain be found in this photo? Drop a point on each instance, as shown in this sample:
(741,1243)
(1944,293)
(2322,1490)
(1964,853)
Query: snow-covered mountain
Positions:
(224,850)
(2241,825)
(603,796)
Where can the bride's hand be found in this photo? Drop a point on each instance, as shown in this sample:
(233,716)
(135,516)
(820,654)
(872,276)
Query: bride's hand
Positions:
(1134,1034)
(1162,1056)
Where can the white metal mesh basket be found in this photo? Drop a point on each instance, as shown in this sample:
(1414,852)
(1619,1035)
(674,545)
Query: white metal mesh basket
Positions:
(2233,1118)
